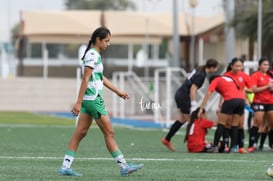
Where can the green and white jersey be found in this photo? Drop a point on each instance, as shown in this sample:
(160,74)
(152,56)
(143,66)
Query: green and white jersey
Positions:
(95,84)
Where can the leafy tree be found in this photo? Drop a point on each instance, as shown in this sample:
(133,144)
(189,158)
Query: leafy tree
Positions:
(245,22)
(100,4)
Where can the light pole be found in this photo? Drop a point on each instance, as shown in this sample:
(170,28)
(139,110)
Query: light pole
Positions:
(259,37)
(176,43)
(193,4)
(229,31)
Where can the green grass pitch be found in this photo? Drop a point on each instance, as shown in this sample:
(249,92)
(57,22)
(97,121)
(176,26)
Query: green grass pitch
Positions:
(32,148)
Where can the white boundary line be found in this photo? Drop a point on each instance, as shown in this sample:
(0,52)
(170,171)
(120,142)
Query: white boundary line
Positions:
(94,126)
(133,159)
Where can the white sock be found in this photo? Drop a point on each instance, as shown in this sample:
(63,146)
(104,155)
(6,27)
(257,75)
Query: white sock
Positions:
(120,160)
(67,161)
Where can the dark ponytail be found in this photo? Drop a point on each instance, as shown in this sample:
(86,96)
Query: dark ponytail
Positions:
(194,116)
(87,48)
(100,33)
(229,68)
(209,64)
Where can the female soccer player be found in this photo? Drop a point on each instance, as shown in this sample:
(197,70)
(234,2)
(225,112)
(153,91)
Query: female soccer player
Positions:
(244,83)
(196,132)
(90,105)
(263,100)
(185,98)
(232,107)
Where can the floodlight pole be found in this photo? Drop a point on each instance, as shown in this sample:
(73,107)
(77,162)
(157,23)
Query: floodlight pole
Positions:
(193,4)
(175,62)
(259,37)
(229,31)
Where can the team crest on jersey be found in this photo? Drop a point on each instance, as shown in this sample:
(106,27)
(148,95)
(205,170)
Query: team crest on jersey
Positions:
(241,79)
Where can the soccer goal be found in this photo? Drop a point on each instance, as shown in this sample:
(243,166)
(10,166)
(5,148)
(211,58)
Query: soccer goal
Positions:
(166,82)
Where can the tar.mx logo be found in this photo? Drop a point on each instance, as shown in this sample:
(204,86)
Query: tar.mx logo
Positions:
(148,105)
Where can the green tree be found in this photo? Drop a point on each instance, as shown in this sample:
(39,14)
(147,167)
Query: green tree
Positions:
(100,4)
(246,19)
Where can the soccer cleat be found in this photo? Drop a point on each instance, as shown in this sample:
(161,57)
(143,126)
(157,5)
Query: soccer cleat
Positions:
(130,168)
(168,144)
(215,149)
(234,149)
(251,149)
(227,150)
(269,172)
(68,172)
(242,150)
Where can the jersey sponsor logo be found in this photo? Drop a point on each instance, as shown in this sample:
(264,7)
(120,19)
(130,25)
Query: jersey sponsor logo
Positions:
(92,61)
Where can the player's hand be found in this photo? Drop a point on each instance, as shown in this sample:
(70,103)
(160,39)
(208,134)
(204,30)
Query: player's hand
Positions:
(123,95)
(76,109)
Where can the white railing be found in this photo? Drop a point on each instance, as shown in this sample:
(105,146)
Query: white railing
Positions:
(136,84)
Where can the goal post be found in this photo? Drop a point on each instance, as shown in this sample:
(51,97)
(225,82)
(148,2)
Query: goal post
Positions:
(171,81)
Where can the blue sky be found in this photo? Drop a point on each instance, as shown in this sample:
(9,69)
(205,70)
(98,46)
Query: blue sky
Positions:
(10,9)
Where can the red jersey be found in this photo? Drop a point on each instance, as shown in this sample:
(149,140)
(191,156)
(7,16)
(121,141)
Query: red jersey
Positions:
(226,87)
(242,79)
(271,76)
(264,97)
(197,134)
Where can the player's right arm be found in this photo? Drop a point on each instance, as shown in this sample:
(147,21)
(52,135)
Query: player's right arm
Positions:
(86,76)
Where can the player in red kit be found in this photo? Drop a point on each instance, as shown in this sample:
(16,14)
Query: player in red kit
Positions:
(232,107)
(263,100)
(196,132)
(245,85)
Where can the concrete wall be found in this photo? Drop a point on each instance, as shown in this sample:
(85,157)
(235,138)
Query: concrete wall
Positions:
(37,94)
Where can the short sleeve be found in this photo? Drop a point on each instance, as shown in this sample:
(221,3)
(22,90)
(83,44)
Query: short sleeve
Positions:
(199,78)
(254,79)
(91,59)
(248,81)
(213,84)
(204,123)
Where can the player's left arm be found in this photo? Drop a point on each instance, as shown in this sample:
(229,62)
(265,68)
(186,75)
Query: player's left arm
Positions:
(110,86)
